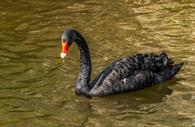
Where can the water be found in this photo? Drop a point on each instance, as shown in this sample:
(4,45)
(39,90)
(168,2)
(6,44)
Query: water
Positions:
(37,87)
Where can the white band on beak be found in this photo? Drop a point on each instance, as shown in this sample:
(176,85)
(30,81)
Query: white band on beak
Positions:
(63,55)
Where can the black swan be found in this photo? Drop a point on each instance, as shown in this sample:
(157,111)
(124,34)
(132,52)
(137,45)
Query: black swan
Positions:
(126,74)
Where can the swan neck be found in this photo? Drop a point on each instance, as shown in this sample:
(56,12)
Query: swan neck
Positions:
(82,86)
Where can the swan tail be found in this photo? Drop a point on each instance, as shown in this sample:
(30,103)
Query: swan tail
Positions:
(168,73)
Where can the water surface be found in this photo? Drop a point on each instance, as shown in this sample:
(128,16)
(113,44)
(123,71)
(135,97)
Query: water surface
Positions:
(37,88)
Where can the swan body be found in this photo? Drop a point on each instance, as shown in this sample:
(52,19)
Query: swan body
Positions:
(127,74)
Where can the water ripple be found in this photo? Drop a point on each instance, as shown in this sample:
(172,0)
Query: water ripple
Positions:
(38,88)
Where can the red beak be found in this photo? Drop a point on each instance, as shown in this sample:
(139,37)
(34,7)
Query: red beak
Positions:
(64,49)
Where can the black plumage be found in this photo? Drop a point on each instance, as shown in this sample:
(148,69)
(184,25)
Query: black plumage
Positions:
(127,74)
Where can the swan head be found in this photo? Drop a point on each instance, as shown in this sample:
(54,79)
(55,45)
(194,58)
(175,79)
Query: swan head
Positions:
(67,39)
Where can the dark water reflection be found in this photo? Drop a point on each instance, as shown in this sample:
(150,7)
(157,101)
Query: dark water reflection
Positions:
(37,88)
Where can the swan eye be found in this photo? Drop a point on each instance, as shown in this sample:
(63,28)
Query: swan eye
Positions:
(64,49)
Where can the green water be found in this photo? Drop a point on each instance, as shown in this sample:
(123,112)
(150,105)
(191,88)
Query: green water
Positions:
(37,88)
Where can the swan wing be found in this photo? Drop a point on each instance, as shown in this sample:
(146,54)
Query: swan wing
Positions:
(133,73)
